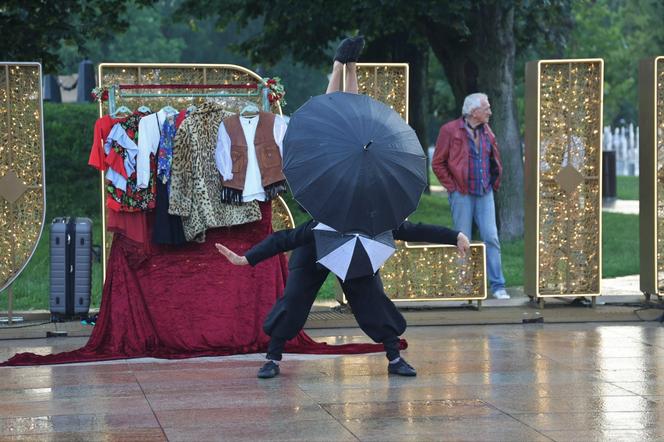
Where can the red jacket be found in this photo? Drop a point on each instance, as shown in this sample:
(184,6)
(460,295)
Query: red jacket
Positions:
(450,159)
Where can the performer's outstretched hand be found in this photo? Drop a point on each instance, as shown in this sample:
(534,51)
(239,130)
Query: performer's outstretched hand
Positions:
(462,244)
(233,257)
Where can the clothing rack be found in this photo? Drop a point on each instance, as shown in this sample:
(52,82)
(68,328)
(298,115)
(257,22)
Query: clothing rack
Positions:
(261,90)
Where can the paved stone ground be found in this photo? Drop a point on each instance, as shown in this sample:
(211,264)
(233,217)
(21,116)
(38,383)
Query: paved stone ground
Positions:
(630,207)
(508,383)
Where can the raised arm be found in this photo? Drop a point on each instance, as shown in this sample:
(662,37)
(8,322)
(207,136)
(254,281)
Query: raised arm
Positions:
(419,232)
(277,242)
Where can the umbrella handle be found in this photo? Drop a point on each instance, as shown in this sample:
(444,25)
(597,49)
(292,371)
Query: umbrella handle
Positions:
(366,146)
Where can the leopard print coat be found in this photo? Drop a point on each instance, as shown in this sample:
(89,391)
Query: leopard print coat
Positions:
(195,181)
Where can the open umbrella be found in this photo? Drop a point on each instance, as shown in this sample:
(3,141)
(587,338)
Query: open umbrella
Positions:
(353,163)
(352,255)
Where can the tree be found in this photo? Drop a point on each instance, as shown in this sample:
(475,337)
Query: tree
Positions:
(475,41)
(621,32)
(308,31)
(157,34)
(35,30)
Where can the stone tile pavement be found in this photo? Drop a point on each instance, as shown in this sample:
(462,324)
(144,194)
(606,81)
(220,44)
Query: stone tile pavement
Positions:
(557,382)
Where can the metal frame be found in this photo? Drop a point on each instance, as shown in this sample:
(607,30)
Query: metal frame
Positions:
(139,67)
(532,180)
(263,91)
(648,165)
(43,180)
(478,298)
(382,65)
(8,284)
(285,208)
(341,298)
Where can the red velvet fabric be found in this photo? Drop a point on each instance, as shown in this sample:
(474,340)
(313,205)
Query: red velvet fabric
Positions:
(187,301)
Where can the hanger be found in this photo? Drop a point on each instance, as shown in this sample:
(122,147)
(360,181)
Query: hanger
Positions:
(121,110)
(144,109)
(169,110)
(250,110)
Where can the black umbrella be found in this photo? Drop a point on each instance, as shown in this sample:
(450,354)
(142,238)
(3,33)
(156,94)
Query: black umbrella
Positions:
(353,163)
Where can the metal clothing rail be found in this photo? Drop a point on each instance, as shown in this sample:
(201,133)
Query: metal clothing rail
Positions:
(190,86)
(132,74)
(114,92)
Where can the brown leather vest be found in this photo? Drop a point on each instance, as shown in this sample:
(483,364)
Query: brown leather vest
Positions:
(267,153)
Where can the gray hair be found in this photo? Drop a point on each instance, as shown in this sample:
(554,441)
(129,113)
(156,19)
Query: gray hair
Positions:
(472,102)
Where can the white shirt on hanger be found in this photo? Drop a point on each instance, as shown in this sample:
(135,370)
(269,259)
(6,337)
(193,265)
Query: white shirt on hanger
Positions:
(253,187)
(149,133)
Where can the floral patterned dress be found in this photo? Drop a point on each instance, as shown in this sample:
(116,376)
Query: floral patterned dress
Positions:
(133,199)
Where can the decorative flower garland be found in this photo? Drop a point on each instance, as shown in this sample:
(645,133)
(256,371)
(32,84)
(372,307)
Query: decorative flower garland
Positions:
(276,91)
(100,94)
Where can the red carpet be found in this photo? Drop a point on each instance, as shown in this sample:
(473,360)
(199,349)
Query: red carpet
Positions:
(188,301)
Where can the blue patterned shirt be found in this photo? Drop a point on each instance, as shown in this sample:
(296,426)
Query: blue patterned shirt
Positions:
(479,176)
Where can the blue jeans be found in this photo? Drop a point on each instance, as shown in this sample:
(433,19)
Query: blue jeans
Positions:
(481,209)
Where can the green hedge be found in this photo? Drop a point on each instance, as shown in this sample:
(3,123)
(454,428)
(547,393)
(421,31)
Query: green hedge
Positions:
(72,187)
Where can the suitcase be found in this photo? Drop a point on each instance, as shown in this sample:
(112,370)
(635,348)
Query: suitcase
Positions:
(71,267)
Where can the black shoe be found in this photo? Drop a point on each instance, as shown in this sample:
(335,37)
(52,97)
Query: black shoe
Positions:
(269,370)
(358,46)
(402,368)
(345,51)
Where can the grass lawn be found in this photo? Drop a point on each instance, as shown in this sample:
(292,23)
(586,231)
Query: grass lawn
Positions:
(620,255)
(31,288)
(627,187)
(432,178)
(620,242)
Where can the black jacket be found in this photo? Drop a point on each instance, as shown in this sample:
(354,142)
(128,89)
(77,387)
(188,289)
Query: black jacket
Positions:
(290,239)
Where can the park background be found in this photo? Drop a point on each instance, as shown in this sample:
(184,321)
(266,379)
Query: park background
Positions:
(453,48)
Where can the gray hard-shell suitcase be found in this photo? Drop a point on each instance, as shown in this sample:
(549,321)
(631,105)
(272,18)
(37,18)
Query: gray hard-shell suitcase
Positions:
(71,267)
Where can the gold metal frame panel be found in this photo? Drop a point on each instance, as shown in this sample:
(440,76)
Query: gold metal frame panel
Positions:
(110,74)
(435,272)
(446,277)
(651,174)
(22,165)
(386,82)
(563,178)
(282,218)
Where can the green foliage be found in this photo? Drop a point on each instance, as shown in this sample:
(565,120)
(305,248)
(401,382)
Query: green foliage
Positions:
(442,104)
(158,33)
(34,30)
(72,187)
(621,32)
(627,187)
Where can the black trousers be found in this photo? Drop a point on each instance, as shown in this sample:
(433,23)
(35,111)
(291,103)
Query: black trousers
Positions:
(375,313)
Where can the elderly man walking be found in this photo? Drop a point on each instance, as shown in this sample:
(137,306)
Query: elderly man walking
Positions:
(467,162)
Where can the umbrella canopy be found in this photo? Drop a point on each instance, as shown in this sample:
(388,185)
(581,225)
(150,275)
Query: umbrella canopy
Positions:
(353,163)
(352,255)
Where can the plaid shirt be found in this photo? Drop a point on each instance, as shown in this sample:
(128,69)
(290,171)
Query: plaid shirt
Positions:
(479,177)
